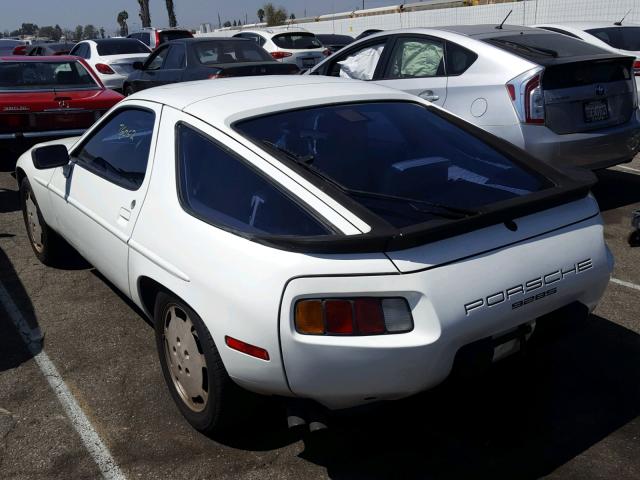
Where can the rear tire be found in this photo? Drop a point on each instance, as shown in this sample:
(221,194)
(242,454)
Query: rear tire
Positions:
(192,367)
(45,243)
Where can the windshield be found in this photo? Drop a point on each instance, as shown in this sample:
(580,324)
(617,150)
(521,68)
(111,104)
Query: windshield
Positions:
(624,38)
(400,160)
(121,46)
(297,41)
(231,51)
(17,76)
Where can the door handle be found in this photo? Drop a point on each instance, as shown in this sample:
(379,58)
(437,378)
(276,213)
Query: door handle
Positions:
(125,214)
(429,96)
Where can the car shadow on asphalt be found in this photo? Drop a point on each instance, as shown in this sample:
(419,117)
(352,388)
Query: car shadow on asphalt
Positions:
(9,201)
(616,189)
(13,349)
(524,419)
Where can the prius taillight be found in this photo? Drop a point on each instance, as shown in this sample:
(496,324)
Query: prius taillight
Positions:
(353,316)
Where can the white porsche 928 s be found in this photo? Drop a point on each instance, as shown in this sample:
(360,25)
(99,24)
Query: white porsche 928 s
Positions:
(312,237)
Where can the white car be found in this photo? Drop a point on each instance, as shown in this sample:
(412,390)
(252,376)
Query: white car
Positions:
(334,242)
(112,59)
(563,101)
(615,37)
(289,45)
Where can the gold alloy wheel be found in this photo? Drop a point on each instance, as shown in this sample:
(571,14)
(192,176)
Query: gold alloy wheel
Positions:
(33,222)
(186,363)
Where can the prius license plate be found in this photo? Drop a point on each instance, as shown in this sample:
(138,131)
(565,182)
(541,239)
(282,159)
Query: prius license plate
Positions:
(596,111)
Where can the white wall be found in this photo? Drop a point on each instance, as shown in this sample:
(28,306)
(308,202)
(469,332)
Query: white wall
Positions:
(526,12)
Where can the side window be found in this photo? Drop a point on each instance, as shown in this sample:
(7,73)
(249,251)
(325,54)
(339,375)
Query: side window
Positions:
(175,59)
(416,57)
(119,150)
(360,64)
(155,61)
(459,59)
(219,188)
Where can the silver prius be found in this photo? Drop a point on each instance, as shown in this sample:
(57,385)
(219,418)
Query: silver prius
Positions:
(563,100)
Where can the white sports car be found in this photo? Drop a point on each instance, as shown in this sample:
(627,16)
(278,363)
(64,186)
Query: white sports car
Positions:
(314,237)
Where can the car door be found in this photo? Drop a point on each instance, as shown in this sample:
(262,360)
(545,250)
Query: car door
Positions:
(416,65)
(149,75)
(173,67)
(97,196)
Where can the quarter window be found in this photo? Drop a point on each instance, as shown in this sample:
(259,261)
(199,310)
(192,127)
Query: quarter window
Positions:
(459,59)
(221,189)
(119,150)
(417,58)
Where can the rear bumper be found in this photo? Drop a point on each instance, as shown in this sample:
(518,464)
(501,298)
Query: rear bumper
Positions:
(42,134)
(342,371)
(593,150)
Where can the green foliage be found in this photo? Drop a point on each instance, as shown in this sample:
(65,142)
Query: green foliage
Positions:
(260,14)
(275,16)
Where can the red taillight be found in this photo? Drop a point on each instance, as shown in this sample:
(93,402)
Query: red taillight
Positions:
(20,50)
(104,69)
(247,348)
(216,75)
(353,316)
(281,55)
(512,92)
(636,68)
(533,101)
(157,39)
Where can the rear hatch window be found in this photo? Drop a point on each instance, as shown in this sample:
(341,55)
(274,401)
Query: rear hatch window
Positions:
(123,46)
(231,51)
(624,38)
(400,161)
(27,76)
(544,47)
(297,41)
(169,35)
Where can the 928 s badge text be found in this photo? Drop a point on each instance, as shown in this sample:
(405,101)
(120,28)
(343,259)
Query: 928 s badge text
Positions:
(522,289)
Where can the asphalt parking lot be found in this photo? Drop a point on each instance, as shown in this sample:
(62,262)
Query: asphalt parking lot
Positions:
(569,408)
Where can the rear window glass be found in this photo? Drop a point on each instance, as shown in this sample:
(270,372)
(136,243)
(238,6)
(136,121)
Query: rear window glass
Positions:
(297,41)
(335,39)
(231,51)
(121,47)
(45,76)
(400,160)
(544,45)
(221,189)
(624,38)
(169,35)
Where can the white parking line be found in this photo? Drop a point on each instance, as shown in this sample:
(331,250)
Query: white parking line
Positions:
(631,169)
(626,284)
(90,438)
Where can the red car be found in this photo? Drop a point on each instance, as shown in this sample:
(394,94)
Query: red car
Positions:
(50,97)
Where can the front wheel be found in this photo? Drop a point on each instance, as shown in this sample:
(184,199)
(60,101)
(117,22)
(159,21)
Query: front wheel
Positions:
(43,240)
(192,367)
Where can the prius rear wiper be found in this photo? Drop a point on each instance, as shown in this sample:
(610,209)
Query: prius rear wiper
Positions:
(306,162)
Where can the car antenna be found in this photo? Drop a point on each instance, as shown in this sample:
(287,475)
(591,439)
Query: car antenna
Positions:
(499,27)
(619,24)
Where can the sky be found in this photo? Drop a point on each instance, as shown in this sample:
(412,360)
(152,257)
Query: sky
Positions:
(190,13)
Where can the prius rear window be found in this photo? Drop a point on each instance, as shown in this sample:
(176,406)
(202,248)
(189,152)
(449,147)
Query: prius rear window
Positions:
(403,162)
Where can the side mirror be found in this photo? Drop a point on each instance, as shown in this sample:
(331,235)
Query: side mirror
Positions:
(138,66)
(50,156)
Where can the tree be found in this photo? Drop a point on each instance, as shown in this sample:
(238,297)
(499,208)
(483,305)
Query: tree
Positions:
(29,29)
(275,16)
(292,16)
(235,24)
(122,18)
(50,32)
(226,24)
(145,14)
(90,32)
(58,32)
(260,14)
(78,33)
(172,14)
(101,32)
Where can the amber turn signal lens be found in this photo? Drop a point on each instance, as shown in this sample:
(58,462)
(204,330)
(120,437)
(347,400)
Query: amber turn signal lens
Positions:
(309,317)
